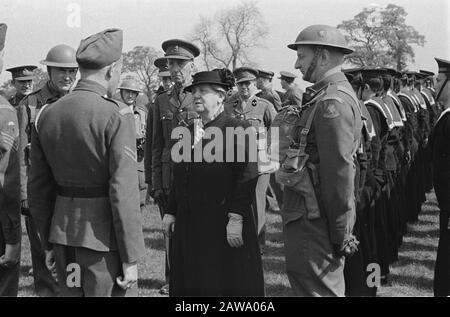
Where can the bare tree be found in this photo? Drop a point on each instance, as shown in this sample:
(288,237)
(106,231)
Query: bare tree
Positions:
(140,61)
(227,39)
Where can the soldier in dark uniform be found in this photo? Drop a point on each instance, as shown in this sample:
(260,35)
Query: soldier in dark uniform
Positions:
(62,69)
(440,149)
(172,108)
(293,94)
(22,80)
(10,232)
(87,207)
(318,231)
(432,114)
(366,188)
(129,91)
(264,83)
(411,106)
(259,112)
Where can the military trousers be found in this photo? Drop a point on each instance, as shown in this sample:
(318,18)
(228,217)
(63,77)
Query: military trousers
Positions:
(312,267)
(44,284)
(275,194)
(9,276)
(259,206)
(98,272)
(442,267)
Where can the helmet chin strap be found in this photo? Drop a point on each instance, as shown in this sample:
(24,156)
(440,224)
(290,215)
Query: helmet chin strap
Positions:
(442,87)
(312,66)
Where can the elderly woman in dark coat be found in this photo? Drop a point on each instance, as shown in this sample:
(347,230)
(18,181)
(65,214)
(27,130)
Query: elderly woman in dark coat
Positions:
(214,249)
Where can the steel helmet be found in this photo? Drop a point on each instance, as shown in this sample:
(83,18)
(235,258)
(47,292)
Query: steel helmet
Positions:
(323,35)
(130,84)
(61,56)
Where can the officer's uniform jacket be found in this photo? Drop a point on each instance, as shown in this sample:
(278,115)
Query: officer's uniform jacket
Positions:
(9,174)
(411,108)
(332,143)
(83,182)
(440,149)
(259,113)
(15,100)
(293,96)
(272,96)
(148,145)
(140,121)
(27,110)
(169,112)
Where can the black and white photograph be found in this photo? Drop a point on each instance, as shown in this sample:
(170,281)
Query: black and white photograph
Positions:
(224,154)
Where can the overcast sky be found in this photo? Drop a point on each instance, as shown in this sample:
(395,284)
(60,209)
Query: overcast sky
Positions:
(36,26)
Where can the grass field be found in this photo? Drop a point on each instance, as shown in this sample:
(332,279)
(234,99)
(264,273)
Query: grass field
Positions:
(412,275)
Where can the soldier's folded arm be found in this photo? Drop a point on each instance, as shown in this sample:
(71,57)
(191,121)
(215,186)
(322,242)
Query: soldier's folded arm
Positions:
(9,171)
(123,187)
(41,191)
(335,142)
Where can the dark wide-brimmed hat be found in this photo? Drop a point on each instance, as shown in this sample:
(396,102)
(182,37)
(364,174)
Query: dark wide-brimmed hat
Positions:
(221,77)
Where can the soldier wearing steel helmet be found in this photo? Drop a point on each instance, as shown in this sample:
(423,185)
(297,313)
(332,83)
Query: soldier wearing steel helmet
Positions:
(319,208)
(62,69)
(130,89)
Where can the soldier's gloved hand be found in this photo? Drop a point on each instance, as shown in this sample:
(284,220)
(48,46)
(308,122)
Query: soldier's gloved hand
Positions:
(24,208)
(50,262)
(234,230)
(11,256)
(348,248)
(130,276)
(168,224)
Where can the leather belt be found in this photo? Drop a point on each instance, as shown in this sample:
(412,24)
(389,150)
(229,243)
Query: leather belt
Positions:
(83,192)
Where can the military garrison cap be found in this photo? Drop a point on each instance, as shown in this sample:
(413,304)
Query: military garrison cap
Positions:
(180,49)
(101,49)
(243,74)
(287,75)
(161,64)
(22,72)
(444,66)
(265,74)
(3,28)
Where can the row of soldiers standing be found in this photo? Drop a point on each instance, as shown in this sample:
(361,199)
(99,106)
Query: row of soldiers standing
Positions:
(399,110)
(394,171)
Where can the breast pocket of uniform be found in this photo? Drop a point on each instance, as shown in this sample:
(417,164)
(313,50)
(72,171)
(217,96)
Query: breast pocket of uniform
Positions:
(166,122)
(256,121)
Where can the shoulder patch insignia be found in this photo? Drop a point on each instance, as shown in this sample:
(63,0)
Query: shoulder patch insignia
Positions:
(254,102)
(330,111)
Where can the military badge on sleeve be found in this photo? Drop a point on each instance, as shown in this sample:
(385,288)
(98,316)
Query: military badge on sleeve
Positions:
(330,111)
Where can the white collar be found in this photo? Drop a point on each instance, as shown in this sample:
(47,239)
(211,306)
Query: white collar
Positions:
(442,114)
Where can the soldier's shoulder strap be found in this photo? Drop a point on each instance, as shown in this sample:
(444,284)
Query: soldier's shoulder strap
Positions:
(4,104)
(120,106)
(38,116)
